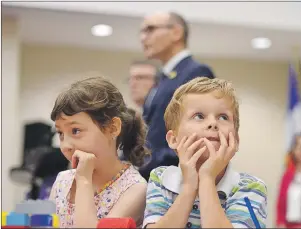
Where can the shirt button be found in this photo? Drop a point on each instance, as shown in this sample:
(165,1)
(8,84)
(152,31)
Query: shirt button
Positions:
(222,195)
(188,225)
(195,207)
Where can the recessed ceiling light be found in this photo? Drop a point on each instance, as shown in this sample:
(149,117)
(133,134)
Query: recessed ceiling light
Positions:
(101,30)
(261,43)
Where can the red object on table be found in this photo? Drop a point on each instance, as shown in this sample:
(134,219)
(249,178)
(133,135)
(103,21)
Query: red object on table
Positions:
(116,223)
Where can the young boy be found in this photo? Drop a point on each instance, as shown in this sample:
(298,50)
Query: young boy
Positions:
(202,120)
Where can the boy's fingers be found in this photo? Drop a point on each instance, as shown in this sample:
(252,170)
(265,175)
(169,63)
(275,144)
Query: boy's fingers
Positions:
(193,147)
(223,144)
(183,150)
(189,141)
(210,147)
(183,140)
(197,155)
(180,146)
(232,147)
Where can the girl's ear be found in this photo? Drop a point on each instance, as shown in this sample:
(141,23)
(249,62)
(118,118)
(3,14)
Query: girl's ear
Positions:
(115,128)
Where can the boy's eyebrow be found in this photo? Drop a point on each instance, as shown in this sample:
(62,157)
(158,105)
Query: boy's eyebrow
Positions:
(194,110)
(227,111)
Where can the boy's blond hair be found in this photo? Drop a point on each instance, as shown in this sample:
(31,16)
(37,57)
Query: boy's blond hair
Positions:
(199,85)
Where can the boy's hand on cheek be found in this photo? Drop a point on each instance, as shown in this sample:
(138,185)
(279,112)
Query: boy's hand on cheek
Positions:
(189,152)
(84,163)
(219,159)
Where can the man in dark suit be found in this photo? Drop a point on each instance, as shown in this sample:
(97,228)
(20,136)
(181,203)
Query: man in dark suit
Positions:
(164,37)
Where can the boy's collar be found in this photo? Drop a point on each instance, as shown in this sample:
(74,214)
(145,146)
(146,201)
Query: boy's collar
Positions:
(172,178)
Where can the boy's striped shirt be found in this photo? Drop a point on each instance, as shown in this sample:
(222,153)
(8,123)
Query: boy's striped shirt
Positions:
(164,186)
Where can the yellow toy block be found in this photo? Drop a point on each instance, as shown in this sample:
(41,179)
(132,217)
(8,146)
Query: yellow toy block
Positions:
(55,221)
(3,218)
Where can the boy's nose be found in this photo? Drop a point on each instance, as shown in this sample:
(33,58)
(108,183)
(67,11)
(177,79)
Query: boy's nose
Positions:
(212,127)
(212,124)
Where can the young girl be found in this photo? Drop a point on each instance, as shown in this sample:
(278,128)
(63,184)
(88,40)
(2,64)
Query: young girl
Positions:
(93,122)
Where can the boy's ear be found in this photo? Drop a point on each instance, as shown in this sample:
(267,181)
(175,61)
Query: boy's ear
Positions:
(115,127)
(171,140)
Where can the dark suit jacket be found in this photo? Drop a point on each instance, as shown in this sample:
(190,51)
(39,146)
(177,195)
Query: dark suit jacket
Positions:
(162,155)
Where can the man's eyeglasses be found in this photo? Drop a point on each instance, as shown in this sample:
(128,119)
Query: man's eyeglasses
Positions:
(140,78)
(151,28)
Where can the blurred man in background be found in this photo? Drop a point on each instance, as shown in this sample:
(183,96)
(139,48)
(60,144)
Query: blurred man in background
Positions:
(164,37)
(143,82)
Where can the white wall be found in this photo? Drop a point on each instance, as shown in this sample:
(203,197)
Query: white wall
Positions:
(11,127)
(278,15)
(261,87)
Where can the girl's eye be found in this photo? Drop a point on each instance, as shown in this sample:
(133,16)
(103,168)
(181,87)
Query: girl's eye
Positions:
(61,135)
(75,131)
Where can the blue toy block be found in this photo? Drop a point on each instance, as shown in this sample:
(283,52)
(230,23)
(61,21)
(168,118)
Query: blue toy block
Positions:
(16,219)
(41,221)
